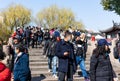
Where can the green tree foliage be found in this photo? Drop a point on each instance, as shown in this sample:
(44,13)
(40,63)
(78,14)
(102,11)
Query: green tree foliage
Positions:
(111,5)
(53,17)
(13,16)
(16,15)
(4,32)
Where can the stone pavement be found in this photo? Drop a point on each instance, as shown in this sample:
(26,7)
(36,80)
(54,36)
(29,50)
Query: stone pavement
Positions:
(39,65)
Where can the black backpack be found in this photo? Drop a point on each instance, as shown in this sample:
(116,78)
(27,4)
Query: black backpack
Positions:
(116,50)
(80,51)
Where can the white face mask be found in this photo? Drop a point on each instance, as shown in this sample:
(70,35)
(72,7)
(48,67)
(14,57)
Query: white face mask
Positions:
(69,38)
(16,51)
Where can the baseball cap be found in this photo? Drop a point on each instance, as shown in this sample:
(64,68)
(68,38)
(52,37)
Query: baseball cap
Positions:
(102,42)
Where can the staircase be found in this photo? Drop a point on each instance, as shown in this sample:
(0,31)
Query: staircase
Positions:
(39,67)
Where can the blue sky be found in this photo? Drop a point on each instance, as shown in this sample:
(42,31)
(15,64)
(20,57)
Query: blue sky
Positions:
(90,12)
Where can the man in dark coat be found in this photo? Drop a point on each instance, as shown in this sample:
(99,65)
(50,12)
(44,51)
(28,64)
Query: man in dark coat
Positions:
(65,53)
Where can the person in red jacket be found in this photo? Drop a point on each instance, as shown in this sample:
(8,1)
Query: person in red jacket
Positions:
(5,73)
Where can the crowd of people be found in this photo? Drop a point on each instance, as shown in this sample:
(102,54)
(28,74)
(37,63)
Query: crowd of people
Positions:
(65,50)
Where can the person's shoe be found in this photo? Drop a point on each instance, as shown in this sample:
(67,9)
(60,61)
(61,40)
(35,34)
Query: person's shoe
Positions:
(49,70)
(55,76)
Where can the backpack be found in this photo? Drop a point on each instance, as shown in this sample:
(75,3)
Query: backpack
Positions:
(116,50)
(80,51)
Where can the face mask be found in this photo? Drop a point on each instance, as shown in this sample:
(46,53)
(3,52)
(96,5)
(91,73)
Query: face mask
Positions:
(69,39)
(15,51)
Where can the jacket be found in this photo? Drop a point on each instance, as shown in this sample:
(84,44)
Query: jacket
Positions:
(27,33)
(47,35)
(64,61)
(21,68)
(5,73)
(51,47)
(101,69)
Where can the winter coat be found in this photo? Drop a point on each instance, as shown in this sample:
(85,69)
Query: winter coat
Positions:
(51,48)
(21,68)
(64,61)
(101,68)
(47,35)
(5,73)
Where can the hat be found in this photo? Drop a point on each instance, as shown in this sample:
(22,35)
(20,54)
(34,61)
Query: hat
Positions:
(18,27)
(102,42)
(56,34)
(77,33)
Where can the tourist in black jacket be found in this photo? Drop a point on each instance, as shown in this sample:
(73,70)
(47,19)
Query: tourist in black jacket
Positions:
(46,40)
(100,65)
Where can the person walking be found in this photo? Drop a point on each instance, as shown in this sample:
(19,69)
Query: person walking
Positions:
(52,58)
(21,70)
(100,65)
(46,40)
(40,36)
(27,36)
(116,50)
(79,52)
(51,52)
(65,53)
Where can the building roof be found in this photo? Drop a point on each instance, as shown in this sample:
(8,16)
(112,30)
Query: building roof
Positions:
(116,27)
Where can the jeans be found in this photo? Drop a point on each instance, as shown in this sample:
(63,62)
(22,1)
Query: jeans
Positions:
(50,62)
(40,40)
(54,69)
(81,62)
(69,74)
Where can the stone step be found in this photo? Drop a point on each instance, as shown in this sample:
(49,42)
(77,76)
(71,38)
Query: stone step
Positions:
(37,56)
(46,60)
(44,71)
(38,64)
(47,74)
(38,73)
(53,79)
(39,68)
(35,51)
(38,60)
(45,68)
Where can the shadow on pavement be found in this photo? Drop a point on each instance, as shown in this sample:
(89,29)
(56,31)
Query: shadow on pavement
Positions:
(80,73)
(38,78)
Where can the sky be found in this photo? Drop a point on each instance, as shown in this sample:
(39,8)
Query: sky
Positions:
(89,12)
